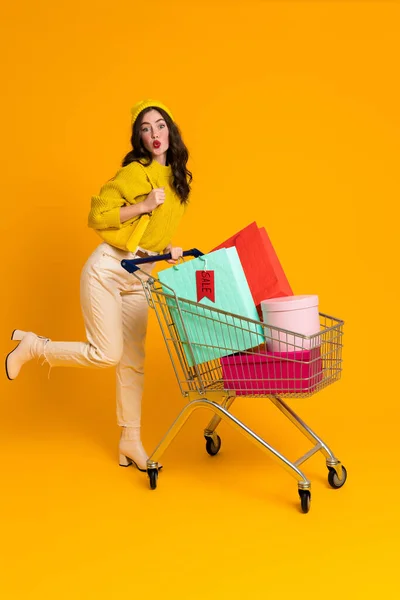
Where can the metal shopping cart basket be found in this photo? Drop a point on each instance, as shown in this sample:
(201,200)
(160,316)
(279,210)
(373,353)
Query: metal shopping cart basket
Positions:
(306,365)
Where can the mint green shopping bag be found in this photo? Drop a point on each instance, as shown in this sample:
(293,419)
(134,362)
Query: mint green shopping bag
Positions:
(212,335)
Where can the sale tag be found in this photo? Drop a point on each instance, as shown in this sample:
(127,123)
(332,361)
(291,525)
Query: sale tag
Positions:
(205,285)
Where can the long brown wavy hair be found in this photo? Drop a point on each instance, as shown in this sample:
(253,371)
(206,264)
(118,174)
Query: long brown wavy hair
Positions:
(177,153)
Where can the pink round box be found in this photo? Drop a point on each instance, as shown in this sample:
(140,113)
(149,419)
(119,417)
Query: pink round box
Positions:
(296,314)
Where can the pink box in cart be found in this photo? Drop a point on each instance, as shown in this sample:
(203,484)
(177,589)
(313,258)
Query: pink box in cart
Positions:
(272,372)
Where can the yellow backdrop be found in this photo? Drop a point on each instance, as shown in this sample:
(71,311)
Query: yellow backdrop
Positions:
(291,114)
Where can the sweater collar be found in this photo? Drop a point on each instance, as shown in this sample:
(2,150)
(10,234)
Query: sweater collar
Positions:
(160,170)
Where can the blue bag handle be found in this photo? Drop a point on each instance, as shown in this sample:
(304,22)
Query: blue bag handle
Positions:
(131,264)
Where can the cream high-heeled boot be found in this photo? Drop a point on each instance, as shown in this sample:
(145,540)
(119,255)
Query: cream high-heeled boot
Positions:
(131,450)
(31,346)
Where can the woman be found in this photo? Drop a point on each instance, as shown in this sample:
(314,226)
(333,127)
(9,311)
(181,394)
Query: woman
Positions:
(136,214)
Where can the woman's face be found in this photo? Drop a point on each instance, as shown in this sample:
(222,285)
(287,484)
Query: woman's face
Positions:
(155,135)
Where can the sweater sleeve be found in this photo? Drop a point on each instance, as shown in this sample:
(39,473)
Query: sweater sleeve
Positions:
(128,186)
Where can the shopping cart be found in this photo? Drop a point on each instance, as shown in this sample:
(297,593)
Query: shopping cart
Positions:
(306,365)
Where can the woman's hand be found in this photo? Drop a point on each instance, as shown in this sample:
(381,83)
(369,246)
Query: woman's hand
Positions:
(176,253)
(154,200)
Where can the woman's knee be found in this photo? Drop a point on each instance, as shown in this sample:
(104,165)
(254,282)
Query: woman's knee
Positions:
(108,357)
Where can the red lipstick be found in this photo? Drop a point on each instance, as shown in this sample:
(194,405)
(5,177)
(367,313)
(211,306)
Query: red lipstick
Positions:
(156,144)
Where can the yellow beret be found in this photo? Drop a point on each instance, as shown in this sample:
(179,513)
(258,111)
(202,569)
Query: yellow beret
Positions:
(137,109)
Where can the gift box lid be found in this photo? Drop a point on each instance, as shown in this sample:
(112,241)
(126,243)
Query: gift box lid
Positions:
(264,356)
(287,303)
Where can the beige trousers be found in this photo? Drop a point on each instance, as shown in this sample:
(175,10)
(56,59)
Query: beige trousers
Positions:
(115,313)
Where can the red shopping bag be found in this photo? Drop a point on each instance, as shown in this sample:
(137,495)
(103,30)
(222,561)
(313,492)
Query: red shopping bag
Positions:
(264,273)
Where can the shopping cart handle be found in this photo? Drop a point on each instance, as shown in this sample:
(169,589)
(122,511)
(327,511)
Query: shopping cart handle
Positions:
(131,264)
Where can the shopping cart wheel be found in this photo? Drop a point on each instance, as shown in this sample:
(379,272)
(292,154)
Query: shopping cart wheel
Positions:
(153,476)
(305,499)
(211,447)
(334,480)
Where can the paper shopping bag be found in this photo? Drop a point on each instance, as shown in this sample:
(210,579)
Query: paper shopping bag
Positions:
(264,273)
(217,281)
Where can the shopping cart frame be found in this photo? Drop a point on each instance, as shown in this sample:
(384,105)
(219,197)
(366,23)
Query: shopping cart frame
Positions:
(203,387)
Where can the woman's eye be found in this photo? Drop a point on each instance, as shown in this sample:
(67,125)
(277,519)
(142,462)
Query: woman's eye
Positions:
(145,130)
(162,125)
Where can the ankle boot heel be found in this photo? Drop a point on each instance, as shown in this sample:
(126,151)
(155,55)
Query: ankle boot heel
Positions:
(124,461)
(17,335)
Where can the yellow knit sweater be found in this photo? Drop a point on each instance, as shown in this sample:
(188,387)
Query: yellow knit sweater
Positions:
(131,184)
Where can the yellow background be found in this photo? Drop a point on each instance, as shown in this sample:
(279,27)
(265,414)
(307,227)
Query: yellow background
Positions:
(291,114)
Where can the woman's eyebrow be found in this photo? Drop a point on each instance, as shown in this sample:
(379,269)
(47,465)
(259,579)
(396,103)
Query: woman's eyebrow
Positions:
(147,123)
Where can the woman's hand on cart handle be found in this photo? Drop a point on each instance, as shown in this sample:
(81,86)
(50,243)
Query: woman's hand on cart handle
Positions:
(176,253)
